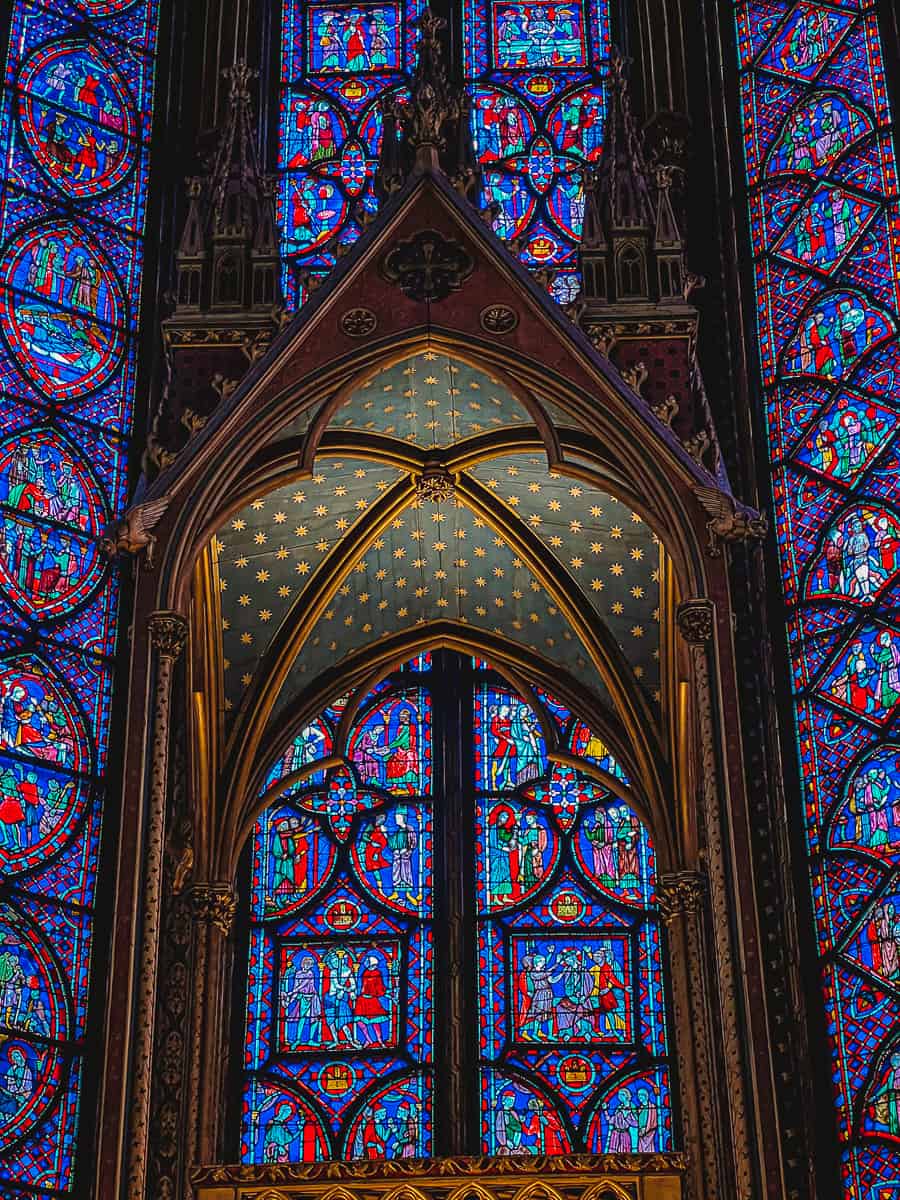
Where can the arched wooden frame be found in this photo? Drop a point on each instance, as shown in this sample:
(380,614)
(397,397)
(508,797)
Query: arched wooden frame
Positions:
(615,450)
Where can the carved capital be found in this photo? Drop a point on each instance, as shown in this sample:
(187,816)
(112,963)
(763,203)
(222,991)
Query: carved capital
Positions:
(168,634)
(215,904)
(695,621)
(680,894)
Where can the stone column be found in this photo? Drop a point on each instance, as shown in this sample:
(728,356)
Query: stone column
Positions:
(696,623)
(215,907)
(681,900)
(168,634)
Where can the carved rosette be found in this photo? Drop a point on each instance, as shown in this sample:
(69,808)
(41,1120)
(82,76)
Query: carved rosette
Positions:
(215,904)
(695,621)
(435,486)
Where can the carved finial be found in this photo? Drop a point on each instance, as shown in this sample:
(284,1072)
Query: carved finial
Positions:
(239,76)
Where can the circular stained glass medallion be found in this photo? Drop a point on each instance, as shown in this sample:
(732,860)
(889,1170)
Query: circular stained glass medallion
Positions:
(52,516)
(77,118)
(61,310)
(44,748)
(34,1011)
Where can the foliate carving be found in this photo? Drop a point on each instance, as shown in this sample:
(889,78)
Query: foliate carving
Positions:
(168,634)
(359,322)
(680,894)
(728,520)
(498,318)
(695,621)
(215,904)
(667,410)
(134,532)
(698,444)
(428,267)
(603,337)
(635,376)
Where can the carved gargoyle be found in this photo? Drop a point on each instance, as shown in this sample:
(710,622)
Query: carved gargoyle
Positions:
(729,521)
(134,532)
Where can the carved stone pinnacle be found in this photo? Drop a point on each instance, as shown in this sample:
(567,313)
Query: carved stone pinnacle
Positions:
(168,634)
(695,621)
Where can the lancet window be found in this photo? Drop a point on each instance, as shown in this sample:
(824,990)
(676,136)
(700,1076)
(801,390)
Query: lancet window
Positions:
(822,178)
(74,129)
(535,74)
(338,61)
(454,938)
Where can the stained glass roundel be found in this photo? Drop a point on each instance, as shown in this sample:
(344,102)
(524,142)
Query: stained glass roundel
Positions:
(51,517)
(76,116)
(43,749)
(62,310)
(33,1012)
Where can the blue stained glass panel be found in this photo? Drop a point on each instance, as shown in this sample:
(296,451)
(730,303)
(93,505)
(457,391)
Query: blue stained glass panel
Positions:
(824,228)
(75,121)
(570,971)
(338,1046)
(344,959)
(536,75)
(337,61)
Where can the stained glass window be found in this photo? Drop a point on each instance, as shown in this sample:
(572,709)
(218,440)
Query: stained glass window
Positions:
(74,130)
(822,178)
(536,71)
(337,61)
(351,872)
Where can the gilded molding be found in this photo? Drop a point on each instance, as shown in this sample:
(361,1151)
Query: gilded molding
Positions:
(584,1167)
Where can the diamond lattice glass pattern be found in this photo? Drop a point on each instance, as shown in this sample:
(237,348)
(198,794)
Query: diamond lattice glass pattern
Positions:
(824,224)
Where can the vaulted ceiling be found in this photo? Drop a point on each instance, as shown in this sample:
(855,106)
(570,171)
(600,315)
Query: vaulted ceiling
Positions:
(356,551)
